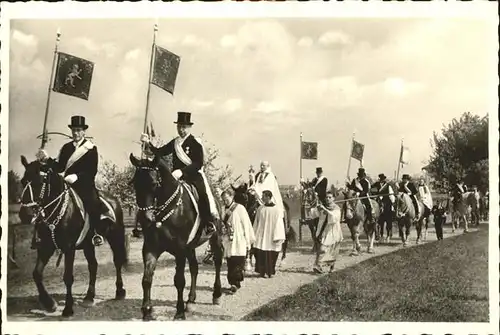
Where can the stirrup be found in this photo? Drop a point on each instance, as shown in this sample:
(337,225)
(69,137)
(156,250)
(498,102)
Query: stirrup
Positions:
(97,240)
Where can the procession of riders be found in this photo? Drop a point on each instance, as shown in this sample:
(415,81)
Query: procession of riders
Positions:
(78,161)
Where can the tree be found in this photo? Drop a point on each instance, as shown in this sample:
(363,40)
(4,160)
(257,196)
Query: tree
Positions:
(14,187)
(116,181)
(461,151)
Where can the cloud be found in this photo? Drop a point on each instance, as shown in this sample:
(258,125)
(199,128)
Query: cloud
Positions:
(400,87)
(132,54)
(194,41)
(343,91)
(274,106)
(305,42)
(232,105)
(202,103)
(228,41)
(29,41)
(334,37)
(108,49)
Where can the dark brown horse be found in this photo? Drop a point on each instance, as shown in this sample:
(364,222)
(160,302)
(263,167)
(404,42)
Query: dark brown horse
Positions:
(48,201)
(167,215)
(355,215)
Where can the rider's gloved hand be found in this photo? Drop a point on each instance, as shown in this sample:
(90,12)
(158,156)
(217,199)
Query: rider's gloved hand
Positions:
(42,155)
(145,138)
(70,179)
(177,174)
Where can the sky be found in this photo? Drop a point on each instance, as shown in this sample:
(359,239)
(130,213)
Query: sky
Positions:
(253,85)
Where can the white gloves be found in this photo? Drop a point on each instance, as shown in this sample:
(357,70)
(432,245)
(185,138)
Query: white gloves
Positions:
(302,180)
(42,155)
(145,138)
(70,179)
(177,174)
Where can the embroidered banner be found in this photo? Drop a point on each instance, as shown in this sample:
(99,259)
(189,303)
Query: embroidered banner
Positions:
(165,68)
(358,150)
(404,156)
(309,150)
(73,76)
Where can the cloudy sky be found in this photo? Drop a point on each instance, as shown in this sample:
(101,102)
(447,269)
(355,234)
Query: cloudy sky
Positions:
(254,85)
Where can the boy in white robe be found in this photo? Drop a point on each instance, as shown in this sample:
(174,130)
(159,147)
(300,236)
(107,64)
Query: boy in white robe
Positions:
(237,240)
(329,235)
(269,235)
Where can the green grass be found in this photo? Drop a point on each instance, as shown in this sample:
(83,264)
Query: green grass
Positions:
(444,281)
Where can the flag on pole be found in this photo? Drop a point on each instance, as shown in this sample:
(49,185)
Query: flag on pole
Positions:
(404,156)
(309,150)
(165,68)
(73,76)
(357,150)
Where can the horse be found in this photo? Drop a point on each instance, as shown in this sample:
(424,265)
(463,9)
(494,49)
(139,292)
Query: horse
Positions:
(310,214)
(52,207)
(167,215)
(460,207)
(406,216)
(484,207)
(246,197)
(355,214)
(385,220)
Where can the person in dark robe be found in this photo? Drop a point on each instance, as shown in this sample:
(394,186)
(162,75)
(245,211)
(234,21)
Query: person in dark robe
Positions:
(361,185)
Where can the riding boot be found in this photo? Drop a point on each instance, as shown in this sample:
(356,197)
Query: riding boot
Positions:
(207,219)
(97,239)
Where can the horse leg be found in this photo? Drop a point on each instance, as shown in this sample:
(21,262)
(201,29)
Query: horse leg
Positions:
(149,259)
(193,269)
(370,231)
(283,249)
(89,252)
(407,232)
(69,260)
(217,250)
(47,302)
(180,284)
(419,230)
(119,246)
(466,224)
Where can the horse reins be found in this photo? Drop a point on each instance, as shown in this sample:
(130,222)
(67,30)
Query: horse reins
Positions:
(62,198)
(159,209)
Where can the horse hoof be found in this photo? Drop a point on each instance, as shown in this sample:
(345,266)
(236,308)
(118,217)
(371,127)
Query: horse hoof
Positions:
(354,253)
(147,313)
(216,301)
(370,251)
(149,317)
(87,303)
(49,304)
(120,294)
(180,316)
(67,312)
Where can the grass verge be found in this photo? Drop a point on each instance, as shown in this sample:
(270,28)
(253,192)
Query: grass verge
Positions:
(443,281)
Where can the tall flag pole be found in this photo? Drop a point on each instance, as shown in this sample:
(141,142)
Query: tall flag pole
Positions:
(308,150)
(155,32)
(403,158)
(44,131)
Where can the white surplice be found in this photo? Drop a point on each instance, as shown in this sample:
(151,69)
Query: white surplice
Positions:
(270,183)
(269,228)
(243,234)
(332,231)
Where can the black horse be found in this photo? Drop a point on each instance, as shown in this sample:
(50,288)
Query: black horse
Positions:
(248,199)
(49,202)
(163,199)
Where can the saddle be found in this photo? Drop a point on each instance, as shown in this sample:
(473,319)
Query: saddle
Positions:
(106,211)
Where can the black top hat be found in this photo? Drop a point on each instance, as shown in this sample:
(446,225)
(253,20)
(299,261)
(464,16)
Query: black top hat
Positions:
(406,177)
(78,121)
(361,172)
(184,118)
(382,176)
(319,170)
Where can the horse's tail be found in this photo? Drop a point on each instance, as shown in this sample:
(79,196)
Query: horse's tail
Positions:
(117,235)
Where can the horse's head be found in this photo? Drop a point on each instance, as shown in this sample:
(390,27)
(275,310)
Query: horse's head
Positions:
(241,194)
(402,205)
(252,203)
(38,182)
(146,182)
(349,203)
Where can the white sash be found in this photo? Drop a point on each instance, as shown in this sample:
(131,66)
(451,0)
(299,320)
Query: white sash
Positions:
(358,185)
(78,153)
(407,188)
(183,157)
(319,180)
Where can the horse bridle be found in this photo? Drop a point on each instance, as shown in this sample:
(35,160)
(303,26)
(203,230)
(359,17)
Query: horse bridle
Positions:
(160,209)
(38,204)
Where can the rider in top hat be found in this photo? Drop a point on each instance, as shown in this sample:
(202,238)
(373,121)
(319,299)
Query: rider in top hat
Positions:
(78,160)
(385,191)
(362,186)
(408,187)
(457,189)
(188,159)
(320,184)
